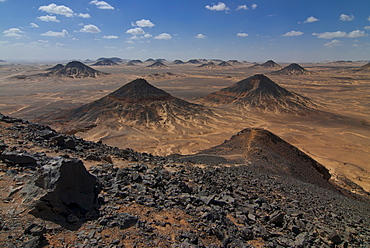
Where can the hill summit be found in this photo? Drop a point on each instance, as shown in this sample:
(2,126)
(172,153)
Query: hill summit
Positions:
(261,93)
(292,69)
(74,69)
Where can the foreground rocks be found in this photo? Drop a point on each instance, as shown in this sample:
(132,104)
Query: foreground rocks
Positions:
(153,202)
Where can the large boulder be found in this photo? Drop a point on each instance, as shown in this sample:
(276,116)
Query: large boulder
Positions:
(62,186)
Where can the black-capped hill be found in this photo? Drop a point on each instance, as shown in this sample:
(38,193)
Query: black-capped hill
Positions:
(75,69)
(261,93)
(105,62)
(292,69)
(137,104)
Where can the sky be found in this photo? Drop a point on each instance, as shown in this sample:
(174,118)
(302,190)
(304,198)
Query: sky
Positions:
(251,30)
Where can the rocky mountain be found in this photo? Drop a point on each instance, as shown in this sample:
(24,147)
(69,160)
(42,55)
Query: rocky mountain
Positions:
(157,64)
(234,62)
(105,62)
(266,152)
(193,61)
(62,191)
(292,69)
(114,59)
(178,62)
(365,67)
(209,65)
(270,64)
(75,69)
(55,68)
(260,93)
(138,104)
(225,64)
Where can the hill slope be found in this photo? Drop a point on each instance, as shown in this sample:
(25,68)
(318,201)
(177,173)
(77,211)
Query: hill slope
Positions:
(74,69)
(292,69)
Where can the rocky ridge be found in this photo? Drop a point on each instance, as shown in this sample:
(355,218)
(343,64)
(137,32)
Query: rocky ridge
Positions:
(74,69)
(152,201)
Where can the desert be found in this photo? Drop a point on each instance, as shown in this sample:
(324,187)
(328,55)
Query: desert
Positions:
(335,134)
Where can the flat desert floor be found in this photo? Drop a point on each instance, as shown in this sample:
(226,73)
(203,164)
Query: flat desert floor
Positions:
(340,141)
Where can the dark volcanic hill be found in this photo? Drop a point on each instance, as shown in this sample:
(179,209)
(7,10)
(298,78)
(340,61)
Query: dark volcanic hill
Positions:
(225,64)
(365,67)
(260,93)
(234,62)
(193,61)
(115,59)
(76,69)
(267,153)
(209,65)
(270,64)
(292,69)
(55,68)
(105,62)
(178,62)
(157,64)
(138,104)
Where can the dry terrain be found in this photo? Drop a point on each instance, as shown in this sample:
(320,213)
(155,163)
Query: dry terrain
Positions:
(339,139)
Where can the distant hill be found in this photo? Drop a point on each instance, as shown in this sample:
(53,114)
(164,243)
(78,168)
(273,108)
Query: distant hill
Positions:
(115,59)
(234,62)
(105,62)
(178,62)
(260,93)
(193,61)
(209,65)
(74,69)
(365,67)
(56,67)
(292,69)
(225,64)
(270,64)
(157,64)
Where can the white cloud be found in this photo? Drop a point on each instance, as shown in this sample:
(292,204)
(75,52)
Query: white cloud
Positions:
(90,29)
(34,25)
(101,4)
(57,9)
(62,34)
(340,34)
(14,33)
(143,23)
(332,43)
(48,18)
(346,18)
(135,31)
(218,7)
(356,34)
(147,35)
(368,18)
(110,37)
(254,6)
(87,15)
(244,7)
(200,36)
(367,27)
(311,19)
(2,0)
(163,36)
(293,33)
(242,34)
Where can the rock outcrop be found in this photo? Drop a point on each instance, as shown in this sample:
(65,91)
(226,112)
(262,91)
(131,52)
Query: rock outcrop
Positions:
(292,69)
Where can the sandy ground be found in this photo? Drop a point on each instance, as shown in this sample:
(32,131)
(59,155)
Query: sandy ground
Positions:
(341,142)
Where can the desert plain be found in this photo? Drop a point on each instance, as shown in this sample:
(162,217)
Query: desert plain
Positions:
(338,137)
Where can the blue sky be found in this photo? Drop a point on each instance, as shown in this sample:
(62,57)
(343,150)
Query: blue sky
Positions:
(252,30)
